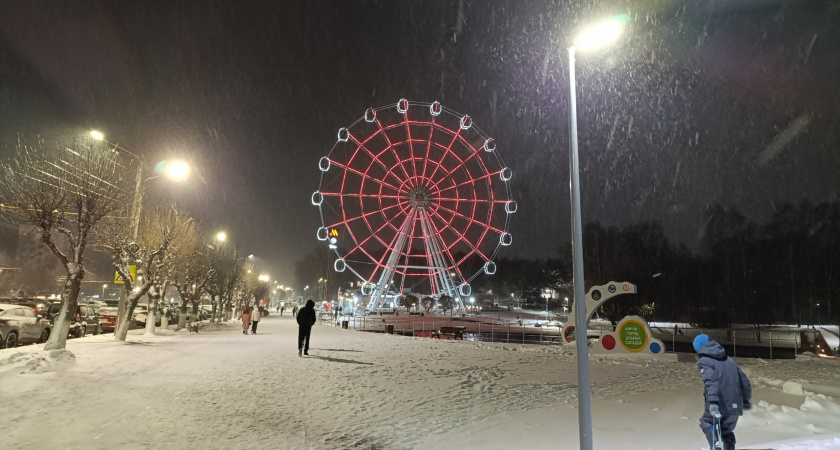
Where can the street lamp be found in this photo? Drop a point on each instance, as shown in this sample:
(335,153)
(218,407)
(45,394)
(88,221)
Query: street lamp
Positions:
(592,38)
(546,309)
(103,291)
(175,170)
(221,236)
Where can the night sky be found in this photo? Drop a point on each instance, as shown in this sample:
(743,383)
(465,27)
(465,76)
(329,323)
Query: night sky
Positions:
(732,102)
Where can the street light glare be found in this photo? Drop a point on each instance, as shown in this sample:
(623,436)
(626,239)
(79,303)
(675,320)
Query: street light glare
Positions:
(601,33)
(97,135)
(221,236)
(177,170)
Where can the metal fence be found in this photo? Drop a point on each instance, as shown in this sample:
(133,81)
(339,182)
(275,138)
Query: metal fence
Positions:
(770,342)
(474,329)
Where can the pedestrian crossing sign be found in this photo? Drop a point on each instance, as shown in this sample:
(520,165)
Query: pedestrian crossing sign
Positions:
(132,271)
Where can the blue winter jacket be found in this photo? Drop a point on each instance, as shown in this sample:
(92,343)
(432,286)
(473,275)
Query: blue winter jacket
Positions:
(725,382)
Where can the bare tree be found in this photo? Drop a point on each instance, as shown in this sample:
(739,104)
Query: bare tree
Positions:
(193,272)
(161,231)
(408,301)
(228,272)
(182,233)
(427,303)
(254,287)
(65,192)
(445,302)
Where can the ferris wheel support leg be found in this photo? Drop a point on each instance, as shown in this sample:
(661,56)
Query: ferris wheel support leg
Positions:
(441,260)
(391,264)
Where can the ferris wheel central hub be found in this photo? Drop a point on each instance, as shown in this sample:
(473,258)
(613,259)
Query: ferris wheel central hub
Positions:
(420,199)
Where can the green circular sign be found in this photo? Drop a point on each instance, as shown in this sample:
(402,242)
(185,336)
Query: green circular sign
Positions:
(633,336)
(569,333)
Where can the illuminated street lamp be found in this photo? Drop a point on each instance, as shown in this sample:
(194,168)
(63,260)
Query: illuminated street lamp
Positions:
(263,278)
(594,37)
(176,170)
(221,236)
(103,291)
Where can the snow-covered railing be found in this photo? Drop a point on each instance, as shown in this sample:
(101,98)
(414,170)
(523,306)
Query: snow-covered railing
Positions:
(476,328)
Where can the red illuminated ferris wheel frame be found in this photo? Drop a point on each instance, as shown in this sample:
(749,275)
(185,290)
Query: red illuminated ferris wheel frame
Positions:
(414,191)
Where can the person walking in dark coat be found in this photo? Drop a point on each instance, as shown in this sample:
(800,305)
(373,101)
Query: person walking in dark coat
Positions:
(305,320)
(726,389)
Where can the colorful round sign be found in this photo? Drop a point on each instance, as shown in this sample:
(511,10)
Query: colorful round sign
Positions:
(608,342)
(633,336)
(569,333)
(655,348)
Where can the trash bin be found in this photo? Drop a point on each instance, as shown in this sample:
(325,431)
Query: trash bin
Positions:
(345,324)
(389,328)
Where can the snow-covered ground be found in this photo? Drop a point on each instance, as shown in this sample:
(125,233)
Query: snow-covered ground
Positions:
(221,390)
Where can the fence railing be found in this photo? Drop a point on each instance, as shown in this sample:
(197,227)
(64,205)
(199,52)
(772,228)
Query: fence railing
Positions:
(767,342)
(514,332)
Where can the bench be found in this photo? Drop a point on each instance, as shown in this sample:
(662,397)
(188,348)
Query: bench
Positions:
(450,333)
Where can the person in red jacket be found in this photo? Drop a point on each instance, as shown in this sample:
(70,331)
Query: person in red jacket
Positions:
(305,319)
(245,315)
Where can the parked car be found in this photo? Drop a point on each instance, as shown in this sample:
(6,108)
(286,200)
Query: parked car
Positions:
(83,322)
(205,312)
(40,306)
(108,317)
(21,324)
(96,303)
(140,313)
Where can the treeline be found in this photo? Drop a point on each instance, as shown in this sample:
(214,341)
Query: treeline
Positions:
(783,271)
(80,195)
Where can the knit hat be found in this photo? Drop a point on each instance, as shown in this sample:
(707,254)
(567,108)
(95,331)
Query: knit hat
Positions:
(700,341)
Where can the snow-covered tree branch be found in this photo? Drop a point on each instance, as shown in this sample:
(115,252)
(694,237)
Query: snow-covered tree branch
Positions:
(66,192)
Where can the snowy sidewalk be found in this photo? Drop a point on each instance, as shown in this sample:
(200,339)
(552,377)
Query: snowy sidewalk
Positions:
(366,390)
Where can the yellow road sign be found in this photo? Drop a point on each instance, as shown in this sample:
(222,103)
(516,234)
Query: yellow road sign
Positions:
(132,271)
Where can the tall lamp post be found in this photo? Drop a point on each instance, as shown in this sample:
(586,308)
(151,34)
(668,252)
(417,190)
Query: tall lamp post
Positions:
(592,38)
(176,170)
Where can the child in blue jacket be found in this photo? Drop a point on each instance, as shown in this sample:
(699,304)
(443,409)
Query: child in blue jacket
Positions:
(727,390)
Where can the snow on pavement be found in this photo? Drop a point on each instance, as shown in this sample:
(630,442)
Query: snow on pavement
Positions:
(221,389)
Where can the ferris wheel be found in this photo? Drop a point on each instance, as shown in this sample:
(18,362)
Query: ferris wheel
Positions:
(414,198)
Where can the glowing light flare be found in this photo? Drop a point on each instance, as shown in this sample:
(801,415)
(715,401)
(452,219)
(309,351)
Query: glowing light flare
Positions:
(97,135)
(177,170)
(601,34)
(173,169)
